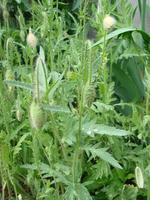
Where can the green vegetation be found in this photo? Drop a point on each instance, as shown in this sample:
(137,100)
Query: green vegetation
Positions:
(74,101)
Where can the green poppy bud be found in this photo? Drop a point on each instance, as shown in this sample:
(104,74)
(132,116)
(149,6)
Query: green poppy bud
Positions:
(139,177)
(37,115)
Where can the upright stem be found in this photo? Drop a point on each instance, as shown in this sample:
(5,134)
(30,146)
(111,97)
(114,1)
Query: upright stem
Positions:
(143,14)
(77,153)
(103,69)
(142,9)
(140,6)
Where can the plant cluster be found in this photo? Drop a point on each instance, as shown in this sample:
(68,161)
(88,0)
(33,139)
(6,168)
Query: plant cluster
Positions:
(74,101)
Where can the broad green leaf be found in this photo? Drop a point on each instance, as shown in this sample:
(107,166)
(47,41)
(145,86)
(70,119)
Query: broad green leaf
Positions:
(92,128)
(114,34)
(136,72)
(102,154)
(127,75)
(122,31)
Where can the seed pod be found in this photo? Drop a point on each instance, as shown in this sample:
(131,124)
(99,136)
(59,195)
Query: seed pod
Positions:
(89,95)
(139,177)
(37,116)
(31,39)
(108,22)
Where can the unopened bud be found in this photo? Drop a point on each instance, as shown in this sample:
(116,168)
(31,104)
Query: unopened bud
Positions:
(139,177)
(31,39)
(19,197)
(108,22)
(37,116)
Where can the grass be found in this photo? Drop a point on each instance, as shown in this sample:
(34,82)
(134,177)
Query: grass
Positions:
(75,114)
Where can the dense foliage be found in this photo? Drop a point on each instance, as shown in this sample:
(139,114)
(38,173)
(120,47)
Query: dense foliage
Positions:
(74,101)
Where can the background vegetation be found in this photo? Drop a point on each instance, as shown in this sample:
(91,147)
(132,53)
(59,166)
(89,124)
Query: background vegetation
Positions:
(74,101)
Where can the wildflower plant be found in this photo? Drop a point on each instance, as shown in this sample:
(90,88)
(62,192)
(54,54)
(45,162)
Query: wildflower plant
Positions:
(74,111)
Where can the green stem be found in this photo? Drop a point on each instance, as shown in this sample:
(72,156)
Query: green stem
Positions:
(143,14)
(142,9)
(77,153)
(140,6)
(147,104)
(103,69)
(75,166)
(57,137)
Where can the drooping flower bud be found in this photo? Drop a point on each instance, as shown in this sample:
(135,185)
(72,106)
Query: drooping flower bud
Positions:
(31,39)
(139,177)
(108,22)
(37,115)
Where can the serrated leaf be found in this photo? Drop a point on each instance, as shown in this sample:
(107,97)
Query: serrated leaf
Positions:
(103,154)
(92,128)
(130,192)
(76,4)
(29,166)
(17,148)
(55,108)
(69,194)
(19,84)
(82,193)
(79,191)
(101,107)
